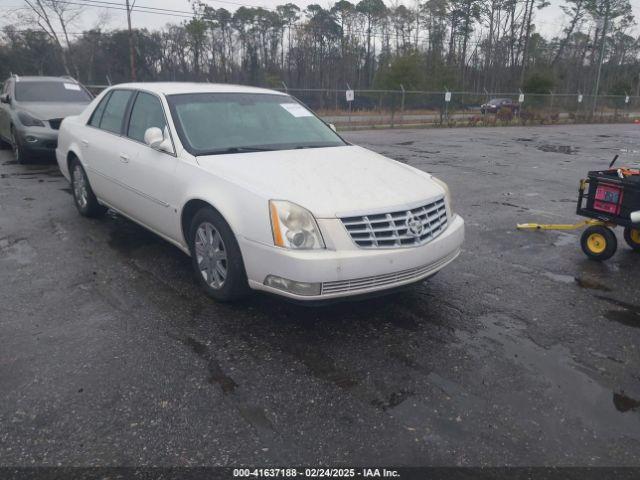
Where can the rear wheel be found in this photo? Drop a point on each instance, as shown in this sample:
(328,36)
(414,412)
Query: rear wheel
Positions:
(216,257)
(632,237)
(599,243)
(83,196)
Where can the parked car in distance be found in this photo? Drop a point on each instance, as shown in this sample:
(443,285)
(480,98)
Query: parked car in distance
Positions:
(260,192)
(31,110)
(494,105)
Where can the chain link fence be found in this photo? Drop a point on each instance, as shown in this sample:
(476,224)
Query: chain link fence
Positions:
(396,108)
(391,108)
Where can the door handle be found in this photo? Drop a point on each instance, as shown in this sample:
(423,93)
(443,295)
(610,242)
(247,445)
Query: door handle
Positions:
(124,157)
(85,143)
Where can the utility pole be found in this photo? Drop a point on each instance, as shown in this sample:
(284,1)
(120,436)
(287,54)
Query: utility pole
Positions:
(132,48)
(603,37)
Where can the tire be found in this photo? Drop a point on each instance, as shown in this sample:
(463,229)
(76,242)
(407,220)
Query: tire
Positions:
(21,155)
(599,243)
(216,257)
(83,196)
(632,237)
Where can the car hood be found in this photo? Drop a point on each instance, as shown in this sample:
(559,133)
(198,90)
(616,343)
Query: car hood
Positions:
(330,182)
(47,111)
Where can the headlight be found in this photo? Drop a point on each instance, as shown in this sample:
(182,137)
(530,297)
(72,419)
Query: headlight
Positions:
(293,226)
(29,120)
(447,193)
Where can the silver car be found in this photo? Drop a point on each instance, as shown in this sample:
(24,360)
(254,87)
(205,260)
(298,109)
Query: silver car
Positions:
(31,110)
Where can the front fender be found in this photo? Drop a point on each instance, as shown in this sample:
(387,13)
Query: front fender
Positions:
(246,212)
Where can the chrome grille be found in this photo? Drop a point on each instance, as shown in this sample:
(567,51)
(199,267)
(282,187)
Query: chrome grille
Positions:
(403,228)
(389,279)
(55,123)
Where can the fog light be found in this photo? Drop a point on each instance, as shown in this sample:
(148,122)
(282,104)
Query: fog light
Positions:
(292,286)
(31,139)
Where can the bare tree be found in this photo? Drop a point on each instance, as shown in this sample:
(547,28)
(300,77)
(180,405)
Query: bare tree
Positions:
(54,18)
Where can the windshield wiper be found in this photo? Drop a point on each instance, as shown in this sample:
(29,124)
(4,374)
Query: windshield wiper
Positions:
(239,150)
(300,147)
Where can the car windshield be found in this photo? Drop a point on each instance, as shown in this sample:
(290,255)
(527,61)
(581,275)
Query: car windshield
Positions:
(43,91)
(217,123)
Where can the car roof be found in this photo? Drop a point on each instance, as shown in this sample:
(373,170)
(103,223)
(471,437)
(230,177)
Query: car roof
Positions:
(173,88)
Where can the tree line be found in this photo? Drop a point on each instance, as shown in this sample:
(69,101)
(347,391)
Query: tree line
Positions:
(460,45)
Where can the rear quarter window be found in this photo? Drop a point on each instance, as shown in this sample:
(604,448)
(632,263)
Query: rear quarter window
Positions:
(96,116)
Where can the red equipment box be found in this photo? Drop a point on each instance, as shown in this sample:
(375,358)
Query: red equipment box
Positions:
(608,199)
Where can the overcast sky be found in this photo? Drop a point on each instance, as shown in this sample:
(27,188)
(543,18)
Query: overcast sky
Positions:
(549,21)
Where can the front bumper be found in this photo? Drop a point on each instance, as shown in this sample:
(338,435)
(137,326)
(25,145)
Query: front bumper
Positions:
(347,270)
(37,139)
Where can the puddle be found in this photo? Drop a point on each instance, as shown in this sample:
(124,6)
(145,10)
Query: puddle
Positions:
(582,282)
(127,237)
(322,366)
(566,149)
(625,317)
(255,416)
(392,400)
(566,383)
(624,403)
(216,374)
(524,139)
(619,303)
(410,142)
(592,284)
(34,174)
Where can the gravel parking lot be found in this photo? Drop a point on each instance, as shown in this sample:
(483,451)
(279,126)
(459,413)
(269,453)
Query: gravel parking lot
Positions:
(522,352)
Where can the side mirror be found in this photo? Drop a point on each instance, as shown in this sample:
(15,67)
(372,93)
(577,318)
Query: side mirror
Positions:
(5,98)
(156,140)
(332,127)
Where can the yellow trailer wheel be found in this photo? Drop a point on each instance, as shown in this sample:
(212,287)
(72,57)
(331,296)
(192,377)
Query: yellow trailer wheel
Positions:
(599,243)
(632,237)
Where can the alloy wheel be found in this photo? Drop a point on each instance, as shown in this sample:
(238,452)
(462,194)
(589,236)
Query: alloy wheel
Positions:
(80,187)
(211,255)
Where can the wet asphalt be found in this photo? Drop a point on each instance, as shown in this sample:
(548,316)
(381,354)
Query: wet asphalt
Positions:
(522,352)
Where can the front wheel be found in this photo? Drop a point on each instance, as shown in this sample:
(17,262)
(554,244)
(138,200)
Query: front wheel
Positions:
(632,237)
(83,196)
(21,155)
(599,243)
(216,257)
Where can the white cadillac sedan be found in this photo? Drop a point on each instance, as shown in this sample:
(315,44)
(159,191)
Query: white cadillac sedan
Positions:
(258,191)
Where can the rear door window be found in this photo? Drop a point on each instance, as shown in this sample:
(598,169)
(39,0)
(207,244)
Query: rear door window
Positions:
(113,114)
